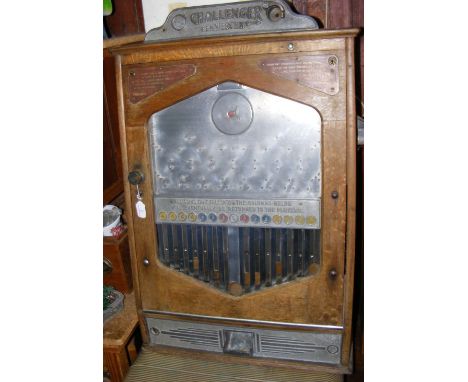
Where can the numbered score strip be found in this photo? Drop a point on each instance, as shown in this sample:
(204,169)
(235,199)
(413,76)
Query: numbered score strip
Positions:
(278,213)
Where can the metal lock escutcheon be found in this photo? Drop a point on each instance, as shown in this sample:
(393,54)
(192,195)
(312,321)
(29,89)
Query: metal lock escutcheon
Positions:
(136,177)
(275,13)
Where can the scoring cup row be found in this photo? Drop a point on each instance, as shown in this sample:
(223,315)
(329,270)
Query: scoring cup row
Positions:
(234,218)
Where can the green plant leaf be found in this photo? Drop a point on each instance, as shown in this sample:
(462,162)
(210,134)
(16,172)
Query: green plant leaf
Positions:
(107,7)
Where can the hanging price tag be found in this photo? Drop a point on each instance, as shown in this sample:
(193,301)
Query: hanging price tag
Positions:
(140,209)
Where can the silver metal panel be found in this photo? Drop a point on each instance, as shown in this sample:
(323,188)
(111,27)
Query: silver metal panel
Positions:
(230,19)
(233,263)
(236,157)
(279,344)
(279,213)
(189,316)
(277,156)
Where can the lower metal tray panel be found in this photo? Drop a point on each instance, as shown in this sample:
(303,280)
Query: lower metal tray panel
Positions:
(263,343)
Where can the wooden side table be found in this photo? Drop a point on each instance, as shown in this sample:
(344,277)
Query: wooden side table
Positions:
(117,253)
(121,333)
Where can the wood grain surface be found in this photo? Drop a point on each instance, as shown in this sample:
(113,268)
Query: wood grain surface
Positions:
(318,299)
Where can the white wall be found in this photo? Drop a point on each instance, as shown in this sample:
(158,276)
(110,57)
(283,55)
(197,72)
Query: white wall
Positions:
(155,12)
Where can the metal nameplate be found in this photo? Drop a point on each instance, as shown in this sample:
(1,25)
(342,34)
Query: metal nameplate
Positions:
(288,213)
(242,18)
(144,81)
(318,72)
(262,343)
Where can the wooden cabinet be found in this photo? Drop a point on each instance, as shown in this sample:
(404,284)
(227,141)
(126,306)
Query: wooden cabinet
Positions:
(117,256)
(121,340)
(328,306)
(319,303)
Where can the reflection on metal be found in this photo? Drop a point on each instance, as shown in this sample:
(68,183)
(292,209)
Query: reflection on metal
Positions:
(238,342)
(253,160)
(238,111)
(237,187)
(250,17)
(262,343)
(360,131)
(215,319)
(277,157)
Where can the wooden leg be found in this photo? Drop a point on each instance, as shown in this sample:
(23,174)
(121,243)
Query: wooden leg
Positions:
(116,362)
(132,350)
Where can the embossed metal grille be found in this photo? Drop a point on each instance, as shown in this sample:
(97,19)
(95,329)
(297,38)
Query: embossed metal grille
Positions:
(237,187)
(257,342)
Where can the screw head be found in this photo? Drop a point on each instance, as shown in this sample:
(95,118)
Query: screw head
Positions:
(178,22)
(334,194)
(333,273)
(332,349)
(290,46)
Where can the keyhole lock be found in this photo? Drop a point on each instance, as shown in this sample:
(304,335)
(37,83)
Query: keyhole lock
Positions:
(136,177)
(275,13)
